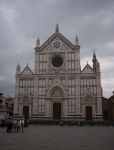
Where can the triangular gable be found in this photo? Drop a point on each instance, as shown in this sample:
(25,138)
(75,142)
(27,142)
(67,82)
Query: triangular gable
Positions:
(87,69)
(64,47)
(25,98)
(88,92)
(60,37)
(57,44)
(27,71)
(56,82)
(88,97)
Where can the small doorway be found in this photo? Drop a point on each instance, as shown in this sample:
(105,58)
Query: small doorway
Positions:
(88,112)
(56,110)
(106,115)
(26,112)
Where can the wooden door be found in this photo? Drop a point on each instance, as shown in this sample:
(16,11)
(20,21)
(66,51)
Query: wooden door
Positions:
(56,110)
(26,112)
(88,112)
(106,115)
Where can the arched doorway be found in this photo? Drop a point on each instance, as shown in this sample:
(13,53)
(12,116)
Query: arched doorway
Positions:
(57,103)
(25,105)
(26,112)
(88,112)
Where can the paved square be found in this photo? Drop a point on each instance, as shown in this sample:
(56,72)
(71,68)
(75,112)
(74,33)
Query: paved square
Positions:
(37,137)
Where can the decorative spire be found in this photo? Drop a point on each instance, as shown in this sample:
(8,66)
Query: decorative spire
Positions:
(76,40)
(38,42)
(18,69)
(94,55)
(57,28)
(18,65)
(94,61)
(97,67)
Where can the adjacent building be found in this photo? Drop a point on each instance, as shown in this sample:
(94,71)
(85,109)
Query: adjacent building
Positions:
(108,108)
(58,88)
(3,108)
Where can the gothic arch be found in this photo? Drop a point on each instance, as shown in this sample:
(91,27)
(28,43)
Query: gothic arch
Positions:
(50,92)
(57,93)
(88,97)
(25,99)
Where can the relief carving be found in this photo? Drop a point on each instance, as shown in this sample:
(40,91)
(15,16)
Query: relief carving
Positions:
(57,93)
(88,99)
(25,100)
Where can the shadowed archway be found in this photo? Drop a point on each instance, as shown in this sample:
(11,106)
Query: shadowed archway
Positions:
(57,102)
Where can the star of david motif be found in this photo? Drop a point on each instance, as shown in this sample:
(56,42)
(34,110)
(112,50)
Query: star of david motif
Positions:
(56,45)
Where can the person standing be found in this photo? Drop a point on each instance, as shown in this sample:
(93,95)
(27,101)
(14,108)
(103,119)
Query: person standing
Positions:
(22,125)
(18,125)
(14,125)
(8,125)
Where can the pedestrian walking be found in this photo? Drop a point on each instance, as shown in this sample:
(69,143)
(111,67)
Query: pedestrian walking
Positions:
(18,125)
(22,125)
(9,126)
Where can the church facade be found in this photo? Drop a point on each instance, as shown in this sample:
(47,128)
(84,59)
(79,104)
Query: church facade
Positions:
(58,89)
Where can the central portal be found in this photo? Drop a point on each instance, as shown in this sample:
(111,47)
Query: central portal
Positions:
(56,110)
(88,113)
(57,97)
(26,112)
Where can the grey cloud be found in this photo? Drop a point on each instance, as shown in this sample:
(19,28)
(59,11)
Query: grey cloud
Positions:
(22,21)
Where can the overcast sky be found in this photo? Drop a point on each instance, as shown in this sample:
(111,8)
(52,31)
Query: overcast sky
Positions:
(22,21)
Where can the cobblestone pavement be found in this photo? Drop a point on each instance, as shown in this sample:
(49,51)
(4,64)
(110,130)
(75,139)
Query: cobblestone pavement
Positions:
(37,137)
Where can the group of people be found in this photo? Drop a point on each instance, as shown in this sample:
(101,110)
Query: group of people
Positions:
(15,125)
